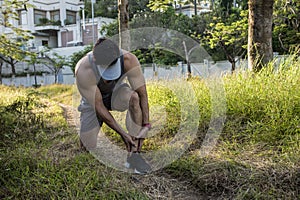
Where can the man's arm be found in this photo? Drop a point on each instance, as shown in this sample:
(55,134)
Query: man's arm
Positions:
(107,118)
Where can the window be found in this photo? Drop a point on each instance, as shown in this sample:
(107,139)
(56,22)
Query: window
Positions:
(55,16)
(44,42)
(39,14)
(71,17)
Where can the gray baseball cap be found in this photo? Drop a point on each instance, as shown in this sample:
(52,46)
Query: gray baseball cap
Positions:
(110,72)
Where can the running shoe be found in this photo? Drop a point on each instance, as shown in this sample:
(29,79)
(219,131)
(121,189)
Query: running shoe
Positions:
(138,164)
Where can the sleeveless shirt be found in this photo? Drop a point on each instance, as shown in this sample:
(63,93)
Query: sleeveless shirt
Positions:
(106,89)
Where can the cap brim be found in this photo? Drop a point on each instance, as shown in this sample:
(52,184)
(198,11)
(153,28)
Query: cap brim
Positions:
(111,72)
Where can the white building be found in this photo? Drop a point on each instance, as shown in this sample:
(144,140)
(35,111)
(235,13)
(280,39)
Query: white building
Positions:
(189,8)
(56,23)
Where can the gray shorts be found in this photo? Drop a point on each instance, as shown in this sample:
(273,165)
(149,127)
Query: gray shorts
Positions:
(88,118)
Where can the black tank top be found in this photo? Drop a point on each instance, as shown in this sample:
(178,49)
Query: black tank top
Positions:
(107,88)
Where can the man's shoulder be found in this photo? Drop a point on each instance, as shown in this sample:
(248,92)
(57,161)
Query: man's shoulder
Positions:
(128,55)
(83,64)
(130,60)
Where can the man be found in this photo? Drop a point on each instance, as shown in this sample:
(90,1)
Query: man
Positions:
(99,77)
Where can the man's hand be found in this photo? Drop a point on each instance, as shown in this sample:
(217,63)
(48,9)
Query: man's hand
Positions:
(128,141)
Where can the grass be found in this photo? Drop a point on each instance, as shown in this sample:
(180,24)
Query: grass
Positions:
(257,155)
(58,93)
(40,154)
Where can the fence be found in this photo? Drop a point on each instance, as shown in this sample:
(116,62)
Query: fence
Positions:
(151,71)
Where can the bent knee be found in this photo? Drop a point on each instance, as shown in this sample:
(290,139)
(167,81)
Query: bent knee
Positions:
(89,139)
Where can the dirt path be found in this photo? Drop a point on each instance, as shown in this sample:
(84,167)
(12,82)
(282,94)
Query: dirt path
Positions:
(157,185)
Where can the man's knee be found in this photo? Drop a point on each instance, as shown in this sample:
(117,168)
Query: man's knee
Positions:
(89,139)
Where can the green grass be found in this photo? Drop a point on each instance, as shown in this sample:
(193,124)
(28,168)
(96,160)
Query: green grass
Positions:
(257,155)
(258,152)
(59,93)
(40,154)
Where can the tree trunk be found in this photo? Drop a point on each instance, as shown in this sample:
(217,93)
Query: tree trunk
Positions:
(35,81)
(12,63)
(187,55)
(195,7)
(1,64)
(124,37)
(233,66)
(13,68)
(55,77)
(260,50)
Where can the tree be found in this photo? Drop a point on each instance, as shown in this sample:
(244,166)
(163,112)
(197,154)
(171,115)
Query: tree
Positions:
(13,39)
(102,8)
(138,6)
(75,57)
(230,36)
(54,62)
(260,50)
(167,19)
(1,65)
(193,27)
(33,61)
(286,18)
(124,37)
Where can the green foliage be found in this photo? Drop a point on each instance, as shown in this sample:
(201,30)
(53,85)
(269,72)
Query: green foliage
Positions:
(158,56)
(160,95)
(12,46)
(110,29)
(58,92)
(46,21)
(168,20)
(78,55)
(54,62)
(159,5)
(25,117)
(286,19)
(43,21)
(269,104)
(144,56)
(137,6)
(230,35)
(109,8)
(227,6)
(102,8)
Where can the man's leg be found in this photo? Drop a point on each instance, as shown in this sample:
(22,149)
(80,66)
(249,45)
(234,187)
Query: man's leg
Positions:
(125,98)
(89,128)
(134,119)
